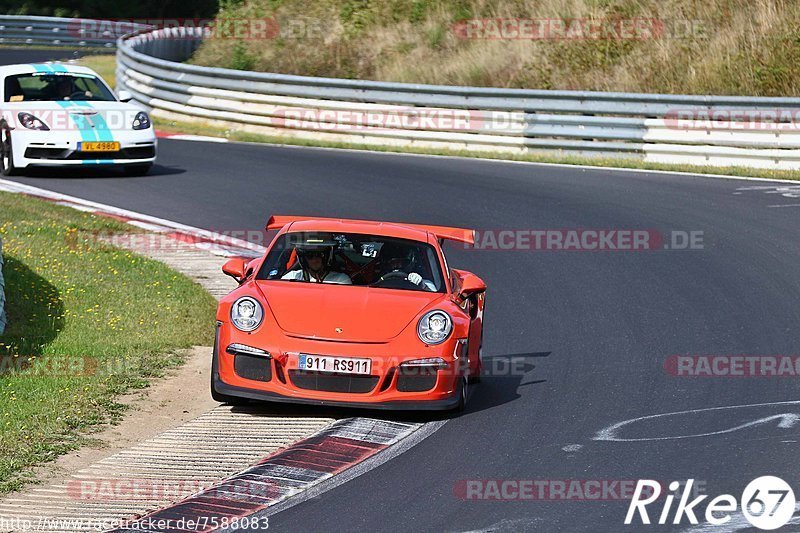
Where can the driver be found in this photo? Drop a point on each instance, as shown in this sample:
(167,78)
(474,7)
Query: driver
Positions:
(64,88)
(315,267)
(398,258)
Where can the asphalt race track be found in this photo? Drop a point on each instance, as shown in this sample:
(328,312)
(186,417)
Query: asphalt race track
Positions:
(593,329)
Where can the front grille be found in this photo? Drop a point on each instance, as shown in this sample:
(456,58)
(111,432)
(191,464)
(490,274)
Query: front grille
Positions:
(416,379)
(333,382)
(46,153)
(136,152)
(252,367)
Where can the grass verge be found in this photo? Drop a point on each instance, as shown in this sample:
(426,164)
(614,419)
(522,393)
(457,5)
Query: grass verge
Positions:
(87,322)
(103,64)
(678,46)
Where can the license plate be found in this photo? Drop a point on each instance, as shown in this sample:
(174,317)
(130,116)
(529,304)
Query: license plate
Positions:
(342,365)
(102,146)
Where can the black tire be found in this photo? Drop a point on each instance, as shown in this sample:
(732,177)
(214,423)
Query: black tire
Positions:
(137,170)
(463,395)
(224,398)
(473,379)
(477,379)
(6,153)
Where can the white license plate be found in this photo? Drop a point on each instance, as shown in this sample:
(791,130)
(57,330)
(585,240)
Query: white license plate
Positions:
(342,365)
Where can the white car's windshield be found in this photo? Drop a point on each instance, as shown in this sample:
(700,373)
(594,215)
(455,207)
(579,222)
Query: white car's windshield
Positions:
(55,87)
(354,259)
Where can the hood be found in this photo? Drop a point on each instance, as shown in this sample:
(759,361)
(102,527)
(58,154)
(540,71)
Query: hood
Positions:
(314,310)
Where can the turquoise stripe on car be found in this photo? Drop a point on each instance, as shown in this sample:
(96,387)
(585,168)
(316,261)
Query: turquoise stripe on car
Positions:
(85,129)
(94,128)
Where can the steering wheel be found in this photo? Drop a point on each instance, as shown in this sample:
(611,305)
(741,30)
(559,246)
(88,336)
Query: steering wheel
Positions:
(395,280)
(77,94)
(365,272)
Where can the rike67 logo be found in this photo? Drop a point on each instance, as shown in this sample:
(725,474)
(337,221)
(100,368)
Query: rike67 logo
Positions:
(767,503)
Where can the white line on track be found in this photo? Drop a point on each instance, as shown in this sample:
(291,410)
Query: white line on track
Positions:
(787,421)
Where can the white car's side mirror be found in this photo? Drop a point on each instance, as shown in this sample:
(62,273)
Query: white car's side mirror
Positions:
(124,96)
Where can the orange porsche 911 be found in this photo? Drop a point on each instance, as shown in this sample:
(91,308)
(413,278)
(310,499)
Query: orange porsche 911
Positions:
(352,313)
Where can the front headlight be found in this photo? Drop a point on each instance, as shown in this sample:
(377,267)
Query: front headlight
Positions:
(141,121)
(434,327)
(246,314)
(32,122)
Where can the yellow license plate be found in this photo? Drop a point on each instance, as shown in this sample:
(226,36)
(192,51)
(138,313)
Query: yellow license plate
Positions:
(103,146)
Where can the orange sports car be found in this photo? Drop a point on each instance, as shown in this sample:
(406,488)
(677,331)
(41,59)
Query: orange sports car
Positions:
(353,313)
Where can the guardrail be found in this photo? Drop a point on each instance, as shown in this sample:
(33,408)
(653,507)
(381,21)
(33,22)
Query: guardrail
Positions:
(753,132)
(58,31)
(3,319)
(700,130)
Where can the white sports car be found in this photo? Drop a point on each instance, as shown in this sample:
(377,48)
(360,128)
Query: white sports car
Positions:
(58,115)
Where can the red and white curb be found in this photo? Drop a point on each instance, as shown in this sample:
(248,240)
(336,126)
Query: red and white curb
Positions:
(212,242)
(283,474)
(189,137)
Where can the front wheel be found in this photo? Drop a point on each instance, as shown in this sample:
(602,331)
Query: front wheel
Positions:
(137,170)
(463,393)
(6,153)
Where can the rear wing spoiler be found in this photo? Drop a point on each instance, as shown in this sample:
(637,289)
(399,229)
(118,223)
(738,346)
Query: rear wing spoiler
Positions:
(441,232)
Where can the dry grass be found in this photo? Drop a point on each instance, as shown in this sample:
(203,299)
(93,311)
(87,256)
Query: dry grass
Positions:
(737,46)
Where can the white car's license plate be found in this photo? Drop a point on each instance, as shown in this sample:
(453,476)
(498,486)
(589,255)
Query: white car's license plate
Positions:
(105,146)
(343,365)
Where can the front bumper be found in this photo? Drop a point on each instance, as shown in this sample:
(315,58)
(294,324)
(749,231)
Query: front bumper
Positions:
(395,405)
(34,148)
(277,380)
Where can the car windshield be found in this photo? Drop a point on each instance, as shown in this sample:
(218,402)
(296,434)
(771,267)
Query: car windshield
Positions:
(55,87)
(354,259)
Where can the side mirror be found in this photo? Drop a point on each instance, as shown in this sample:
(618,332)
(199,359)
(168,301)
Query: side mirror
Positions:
(471,284)
(124,96)
(235,269)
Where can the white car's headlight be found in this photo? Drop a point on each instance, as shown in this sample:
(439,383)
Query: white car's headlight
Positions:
(141,121)
(434,327)
(246,314)
(32,122)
